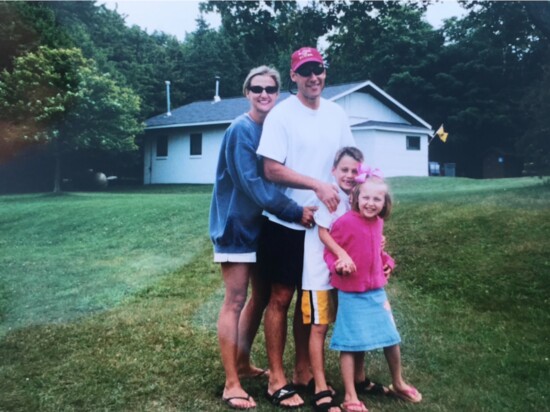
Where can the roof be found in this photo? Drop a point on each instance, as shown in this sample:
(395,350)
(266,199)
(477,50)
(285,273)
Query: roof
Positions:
(389,126)
(224,111)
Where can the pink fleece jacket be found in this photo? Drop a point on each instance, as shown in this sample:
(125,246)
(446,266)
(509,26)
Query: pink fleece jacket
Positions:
(362,240)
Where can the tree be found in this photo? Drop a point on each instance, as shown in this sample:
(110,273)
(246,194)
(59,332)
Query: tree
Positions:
(59,98)
(490,59)
(208,53)
(268,32)
(535,142)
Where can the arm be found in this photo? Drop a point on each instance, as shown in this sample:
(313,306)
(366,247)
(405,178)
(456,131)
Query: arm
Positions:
(279,173)
(242,163)
(344,261)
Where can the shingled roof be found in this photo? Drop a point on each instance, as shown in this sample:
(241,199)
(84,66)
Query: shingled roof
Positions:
(224,111)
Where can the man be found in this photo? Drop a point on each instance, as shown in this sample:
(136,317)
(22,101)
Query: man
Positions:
(299,140)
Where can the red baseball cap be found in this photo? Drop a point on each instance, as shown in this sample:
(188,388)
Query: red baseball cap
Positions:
(305,55)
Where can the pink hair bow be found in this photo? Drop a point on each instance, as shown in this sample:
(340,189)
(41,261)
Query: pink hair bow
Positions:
(366,172)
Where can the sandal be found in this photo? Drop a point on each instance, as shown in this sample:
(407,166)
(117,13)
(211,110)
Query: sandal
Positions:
(368,387)
(287,391)
(410,395)
(229,402)
(310,387)
(353,407)
(323,407)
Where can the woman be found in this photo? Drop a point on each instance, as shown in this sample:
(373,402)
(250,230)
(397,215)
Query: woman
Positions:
(240,195)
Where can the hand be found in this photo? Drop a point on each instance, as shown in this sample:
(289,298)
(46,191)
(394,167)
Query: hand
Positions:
(387,271)
(328,194)
(347,263)
(342,268)
(307,216)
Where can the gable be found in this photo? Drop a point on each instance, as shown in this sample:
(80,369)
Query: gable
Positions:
(362,101)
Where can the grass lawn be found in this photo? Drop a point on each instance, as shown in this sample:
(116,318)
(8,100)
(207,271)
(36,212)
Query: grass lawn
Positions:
(108,301)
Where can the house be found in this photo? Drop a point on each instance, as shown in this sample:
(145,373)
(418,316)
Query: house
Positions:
(183,146)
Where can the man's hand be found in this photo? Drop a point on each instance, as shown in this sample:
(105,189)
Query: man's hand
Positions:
(307,216)
(328,194)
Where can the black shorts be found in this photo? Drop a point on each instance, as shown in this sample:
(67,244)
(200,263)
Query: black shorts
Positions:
(281,254)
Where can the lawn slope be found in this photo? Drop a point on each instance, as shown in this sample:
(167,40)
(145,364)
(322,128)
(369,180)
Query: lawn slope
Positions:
(109,300)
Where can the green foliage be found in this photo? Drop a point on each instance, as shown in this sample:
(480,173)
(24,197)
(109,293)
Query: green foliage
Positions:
(490,60)
(482,75)
(57,97)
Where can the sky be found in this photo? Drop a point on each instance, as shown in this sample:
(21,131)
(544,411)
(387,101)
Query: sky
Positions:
(177,17)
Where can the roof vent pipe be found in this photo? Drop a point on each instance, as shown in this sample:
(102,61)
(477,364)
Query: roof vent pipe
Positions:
(168,113)
(217,97)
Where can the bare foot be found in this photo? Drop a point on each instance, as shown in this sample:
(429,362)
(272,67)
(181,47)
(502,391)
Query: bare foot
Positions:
(253,372)
(285,397)
(238,399)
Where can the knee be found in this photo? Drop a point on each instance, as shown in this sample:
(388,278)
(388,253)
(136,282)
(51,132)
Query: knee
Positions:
(280,301)
(234,302)
(319,330)
(260,298)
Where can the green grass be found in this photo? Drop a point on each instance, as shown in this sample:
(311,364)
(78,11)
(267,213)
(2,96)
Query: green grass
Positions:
(108,301)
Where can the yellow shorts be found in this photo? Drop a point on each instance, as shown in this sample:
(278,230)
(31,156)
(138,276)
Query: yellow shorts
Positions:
(318,307)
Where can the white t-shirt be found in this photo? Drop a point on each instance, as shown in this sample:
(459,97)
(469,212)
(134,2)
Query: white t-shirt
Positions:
(315,275)
(306,141)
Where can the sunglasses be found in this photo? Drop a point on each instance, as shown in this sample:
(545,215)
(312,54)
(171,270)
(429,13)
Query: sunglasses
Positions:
(260,89)
(306,70)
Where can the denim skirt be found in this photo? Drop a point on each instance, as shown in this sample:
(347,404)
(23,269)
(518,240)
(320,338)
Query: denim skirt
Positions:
(364,322)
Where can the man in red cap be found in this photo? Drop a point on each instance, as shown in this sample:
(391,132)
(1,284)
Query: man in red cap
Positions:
(299,140)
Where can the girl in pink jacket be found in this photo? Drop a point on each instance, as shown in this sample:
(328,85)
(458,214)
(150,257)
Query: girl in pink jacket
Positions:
(364,320)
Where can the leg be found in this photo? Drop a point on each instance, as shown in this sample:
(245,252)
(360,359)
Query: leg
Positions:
(317,338)
(364,385)
(393,357)
(317,355)
(399,387)
(319,311)
(347,365)
(235,276)
(275,326)
(302,373)
(359,359)
(249,323)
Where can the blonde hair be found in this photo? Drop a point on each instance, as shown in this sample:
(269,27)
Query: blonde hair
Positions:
(386,210)
(262,71)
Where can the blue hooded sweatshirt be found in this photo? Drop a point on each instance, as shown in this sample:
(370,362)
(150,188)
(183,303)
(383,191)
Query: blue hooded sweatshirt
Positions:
(241,193)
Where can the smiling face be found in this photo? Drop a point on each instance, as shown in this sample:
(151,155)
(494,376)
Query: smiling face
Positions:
(261,103)
(370,198)
(345,172)
(310,86)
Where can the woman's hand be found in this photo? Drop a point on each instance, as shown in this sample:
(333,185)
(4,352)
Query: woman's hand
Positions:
(307,216)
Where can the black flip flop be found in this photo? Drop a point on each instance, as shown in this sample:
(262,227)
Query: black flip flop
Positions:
(323,407)
(287,391)
(227,401)
(365,388)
